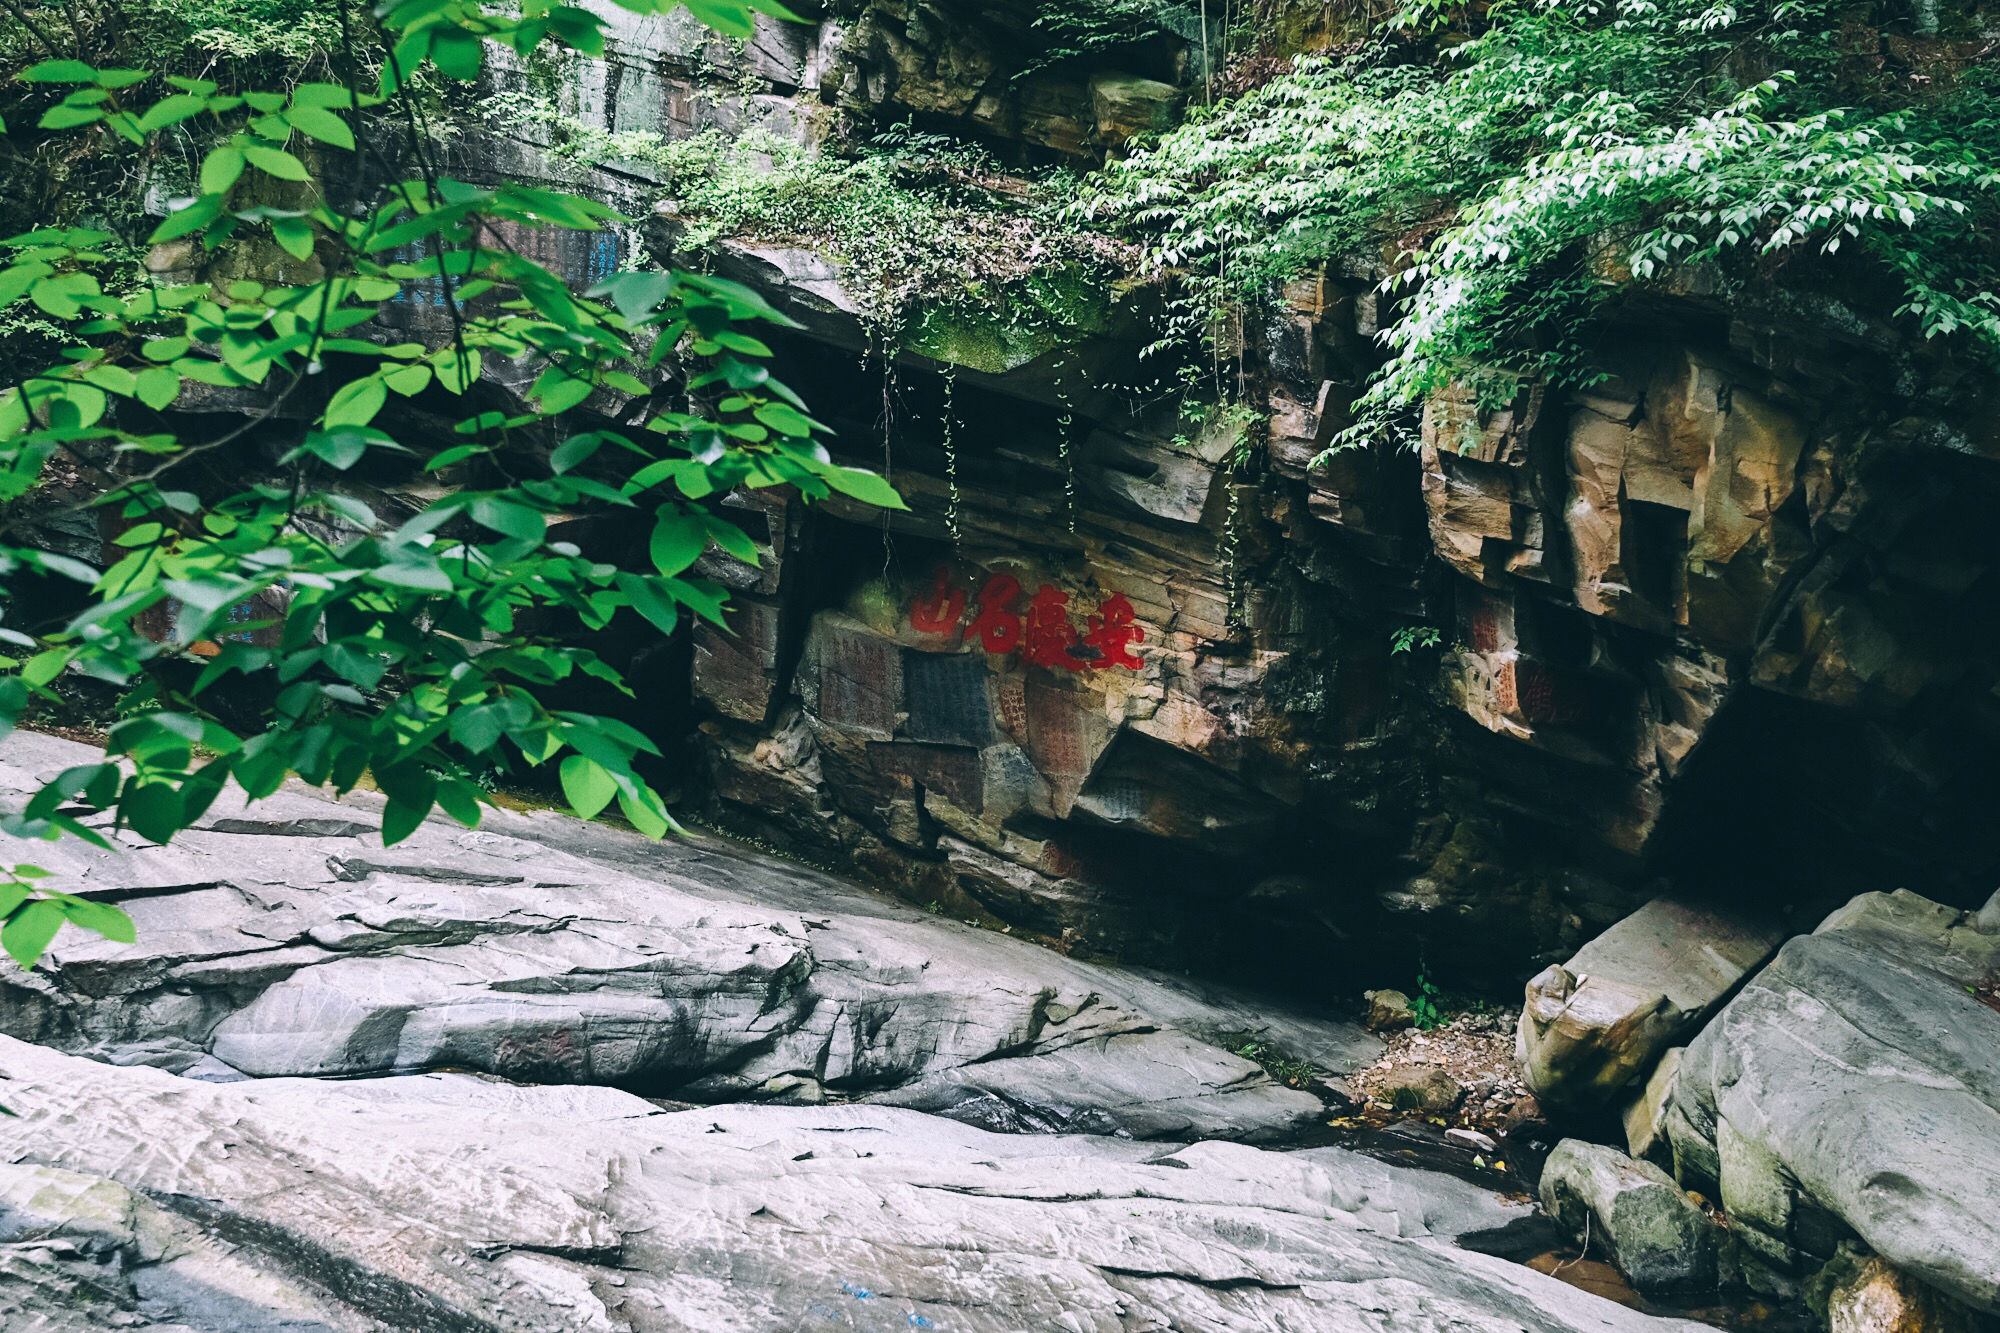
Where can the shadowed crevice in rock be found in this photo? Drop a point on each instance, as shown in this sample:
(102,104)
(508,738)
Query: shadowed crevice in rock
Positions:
(292,828)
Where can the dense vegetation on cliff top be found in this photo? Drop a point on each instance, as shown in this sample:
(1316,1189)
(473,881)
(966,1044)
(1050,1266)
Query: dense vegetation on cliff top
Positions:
(1521,165)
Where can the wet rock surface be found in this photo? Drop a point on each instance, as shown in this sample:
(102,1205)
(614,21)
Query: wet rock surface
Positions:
(451,1202)
(283,940)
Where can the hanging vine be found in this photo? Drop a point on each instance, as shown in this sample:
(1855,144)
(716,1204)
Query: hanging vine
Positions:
(888,337)
(1238,468)
(1065,437)
(951,458)
(1232,582)
(1066,424)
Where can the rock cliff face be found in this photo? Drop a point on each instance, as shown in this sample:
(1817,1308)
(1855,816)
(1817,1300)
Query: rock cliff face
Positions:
(1124,680)
(1139,673)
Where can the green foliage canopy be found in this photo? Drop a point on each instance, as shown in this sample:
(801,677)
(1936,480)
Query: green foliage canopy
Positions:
(407,653)
(1519,181)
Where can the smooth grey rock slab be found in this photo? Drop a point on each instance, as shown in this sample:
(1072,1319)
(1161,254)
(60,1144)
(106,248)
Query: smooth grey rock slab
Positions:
(1855,1083)
(282,939)
(453,1204)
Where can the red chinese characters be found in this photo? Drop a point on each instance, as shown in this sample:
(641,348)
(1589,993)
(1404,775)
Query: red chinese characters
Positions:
(939,610)
(1042,633)
(1113,631)
(1050,635)
(998,624)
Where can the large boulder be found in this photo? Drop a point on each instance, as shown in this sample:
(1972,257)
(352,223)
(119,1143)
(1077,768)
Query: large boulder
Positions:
(1661,1242)
(283,939)
(1596,1024)
(456,1204)
(1853,1087)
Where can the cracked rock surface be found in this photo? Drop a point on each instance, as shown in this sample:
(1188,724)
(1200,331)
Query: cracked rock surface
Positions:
(282,939)
(452,1202)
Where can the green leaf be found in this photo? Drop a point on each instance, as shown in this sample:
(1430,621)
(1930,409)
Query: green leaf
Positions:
(586,785)
(478,728)
(45,666)
(113,379)
(732,539)
(63,295)
(457,368)
(867,487)
(408,380)
(784,419)
(400,819)
(637,295)
(727,17)
(28,932)
(342,446)
(295,235)
(59,71)
(77,407)
(559,392)
(190,219)
(457,53)
(460,800)
(221,169)
(153,810)
(508,519)
(70,115)
(171,111)
(103,918)
(274,162)
(646,811)
(420,575)
(157,387)
(574,450)
(678,541)
(15,279)
(325,94)
(319,123)
(364,668)
(649,601)
(356,402)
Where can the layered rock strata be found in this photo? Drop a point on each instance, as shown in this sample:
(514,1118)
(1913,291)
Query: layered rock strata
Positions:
(454,1203)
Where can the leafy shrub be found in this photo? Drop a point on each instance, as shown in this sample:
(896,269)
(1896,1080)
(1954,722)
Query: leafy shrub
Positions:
(1525,178)
(908,217)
